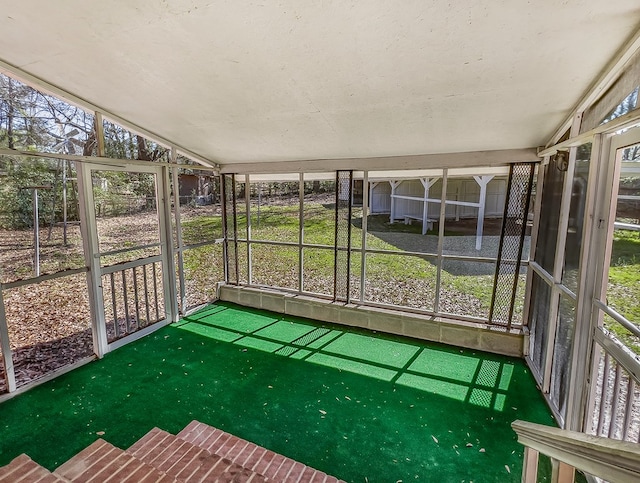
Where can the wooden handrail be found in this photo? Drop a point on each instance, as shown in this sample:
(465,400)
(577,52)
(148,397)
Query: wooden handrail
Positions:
(610,459)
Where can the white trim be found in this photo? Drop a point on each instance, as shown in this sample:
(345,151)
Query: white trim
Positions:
(443,214)
(602,457)
(471,159)
(179,249)
(626,121)
(48,377)
(139,334)
(363,243)
(89,233)
(5,345)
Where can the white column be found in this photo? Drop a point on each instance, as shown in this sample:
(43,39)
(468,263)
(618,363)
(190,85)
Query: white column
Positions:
(166,242)
(179,248)
(427,183)
(89,232)
(6,347)
(394,185)
(482,181)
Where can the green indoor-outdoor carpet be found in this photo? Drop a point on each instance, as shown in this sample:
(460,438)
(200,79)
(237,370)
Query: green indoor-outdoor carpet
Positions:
(358,405)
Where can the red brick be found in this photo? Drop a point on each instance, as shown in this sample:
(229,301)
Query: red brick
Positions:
(283,471)
(253,459)
(264,462)
(216,445)
(147,441)
(307,475)
(207,438)
(274,466)
(191,427)
(225,446)
(87,458)
(212,464)
(233,450)
(189,463)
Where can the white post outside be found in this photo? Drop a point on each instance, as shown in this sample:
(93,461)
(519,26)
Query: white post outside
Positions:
(482,181)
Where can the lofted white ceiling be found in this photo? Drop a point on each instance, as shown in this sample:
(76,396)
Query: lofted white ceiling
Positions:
(254,81)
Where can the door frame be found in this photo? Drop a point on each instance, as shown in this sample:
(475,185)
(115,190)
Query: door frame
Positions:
(92,254)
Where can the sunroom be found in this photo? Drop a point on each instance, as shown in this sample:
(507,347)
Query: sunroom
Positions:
(415,201)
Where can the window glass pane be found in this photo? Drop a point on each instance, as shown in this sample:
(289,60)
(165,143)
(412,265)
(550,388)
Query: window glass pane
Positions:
(397,211)
(623,290)
(318,270)
(319,209)
(243,267)
(121,143)
(126,214)
(203,269)
(549,215)
(49,325)
(200,206)
(560,370)
(274,266)
(49,183)
(466,288)
(627,105)
(575,229)
(468,199)
(275,210)
(34,121)
(539,321)
(401,280)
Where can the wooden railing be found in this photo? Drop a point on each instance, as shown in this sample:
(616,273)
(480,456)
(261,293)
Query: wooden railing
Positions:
(612,460)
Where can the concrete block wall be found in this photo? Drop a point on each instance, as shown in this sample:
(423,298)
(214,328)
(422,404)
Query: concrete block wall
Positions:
(457,333)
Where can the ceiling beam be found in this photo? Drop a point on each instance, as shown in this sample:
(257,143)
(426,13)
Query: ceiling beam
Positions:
(419,161)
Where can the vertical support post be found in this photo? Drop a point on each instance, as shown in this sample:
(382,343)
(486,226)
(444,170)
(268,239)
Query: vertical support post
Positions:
(394,185)
(582,360)
(64,202)
(247,203)
(482,181)
(181,296)
(558,264)
(530,465)
(443,213)
(163,195)
(535,229)
(99,127)
(344,188)
(225,231)
(234,208)
(562,472)
(363,249)
(372,185)
(301,233)
(349,218)
(425,205)
(7,355)
(36,233)
(427,183)
(89,232)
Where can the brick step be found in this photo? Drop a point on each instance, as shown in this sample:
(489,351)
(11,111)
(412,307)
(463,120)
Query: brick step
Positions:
(24,469)
(101,462)
(187,462)
(273,466)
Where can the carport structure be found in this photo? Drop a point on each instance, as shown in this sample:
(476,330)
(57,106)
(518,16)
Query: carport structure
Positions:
(283,106)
